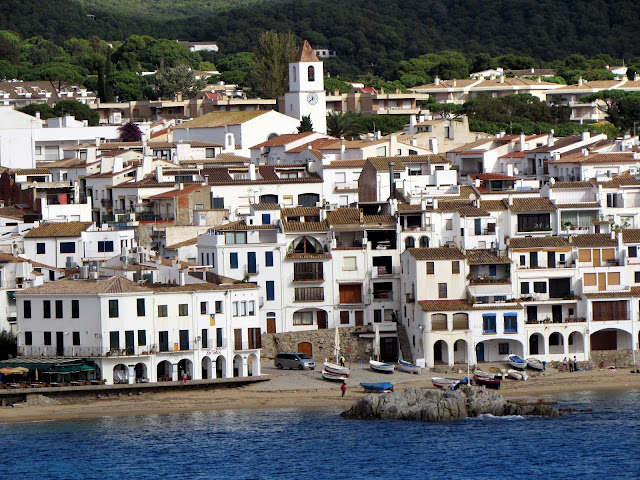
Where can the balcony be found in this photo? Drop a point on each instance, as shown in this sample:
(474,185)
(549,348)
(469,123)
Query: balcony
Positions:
(105,203)
(345,186)
(307,277)
(439,325)
(548,320)
(383,295)
(610,288)
(251,270)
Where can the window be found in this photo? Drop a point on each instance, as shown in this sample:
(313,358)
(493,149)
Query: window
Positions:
(75,308)
(523,260)
(46,308)
(40,248)
(308,199)
(530,222)
(218,306)
(204,338)
(184,339)
(430,268)
(106,246)
(28,338)
(113,309)
(633,251)
(311,73)
(183,309)
(59,312)
(524,288)
(76,338)
(217,203)
(271,290)
(162,311)
(26,307)
(67,247)
(350,293)
(344,318)
(307,271)
(488,323)
(163,341)
(309,294)
(142,338)
(47,338)
(510,323)
(455,266)
(233,260)
(637,278)
(540,287)
(503,349)
(349,264)
(492,270)
(114,340)
(449,224)
(442,290)
(140,307)
(251,307)
(303,318)
(266,218)
(204,307)
(268,259)
(219,337)
(210,153)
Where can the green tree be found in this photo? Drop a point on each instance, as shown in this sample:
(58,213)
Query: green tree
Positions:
(8,345)
(269,74)
(46,111)
(332,84)
(447,111)
(128,86)
(8,71)
(79,110)
(622,108)
(305,124)
(178,79)
(342,125)
(59,74)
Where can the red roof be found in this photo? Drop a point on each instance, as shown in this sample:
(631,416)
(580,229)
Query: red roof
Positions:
(214,96)
(490,176)
(176,193)
(282,140)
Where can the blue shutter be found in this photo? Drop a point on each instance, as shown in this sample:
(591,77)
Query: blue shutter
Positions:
(233,260)
(266,219)
(268,259)
(271,290)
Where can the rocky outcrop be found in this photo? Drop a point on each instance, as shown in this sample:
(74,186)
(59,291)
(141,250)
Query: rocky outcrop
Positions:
(430,405)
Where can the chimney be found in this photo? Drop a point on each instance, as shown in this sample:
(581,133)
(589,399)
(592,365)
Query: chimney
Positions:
(539,79)
(423,204)
(38,114)
(436,81)
(397,90)
(510,169)
(533,70)
(585,152)
(435,204)
(550,139)
(454,83)
(433,145)
(159,176)
(392,183)
(412,124)
(586,135)
(522,138)
(170,135)
(336,92)
(501,78)
(342,146)
(97,142)
(635,77)
(252,171)
(178,96)
(580,82)
(510,199)
(117,164)
(381,90)
(361,212)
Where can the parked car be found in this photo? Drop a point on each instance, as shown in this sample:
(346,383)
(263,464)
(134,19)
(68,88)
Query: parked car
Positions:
(300,361)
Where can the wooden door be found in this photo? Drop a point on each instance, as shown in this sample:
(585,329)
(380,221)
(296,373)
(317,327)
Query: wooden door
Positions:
(238,338)
(604,340)
(602,280)
(271,325)
(305,347)
(596,257)
(359,318)
(321,317)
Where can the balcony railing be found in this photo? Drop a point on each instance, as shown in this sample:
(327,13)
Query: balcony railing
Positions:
(345,186)
(383,295)
(251,270)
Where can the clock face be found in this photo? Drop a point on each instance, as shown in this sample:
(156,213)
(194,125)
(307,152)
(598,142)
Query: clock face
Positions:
(312,98)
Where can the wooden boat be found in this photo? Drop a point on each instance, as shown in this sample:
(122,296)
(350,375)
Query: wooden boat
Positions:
(517,374)
(534,363)
(333,368)
(482,374)
(516,362)
(487,382)
(334,377)
(498,372)
(409,367)
(446,383)
(381,367)
(379,387)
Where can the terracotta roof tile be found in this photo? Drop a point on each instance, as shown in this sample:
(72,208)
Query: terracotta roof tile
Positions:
(441,253)
(221,119)
(265,206)
(590,205)
(444,305)
(493,205)
(370,219)
(186,243)
(594,240)
(485,257)
(59,229)
(620,180)
(301,212)
(199,287)
(631,235)
(538,242)
(66,286)
(6,258)
(572,185)
(344,216)
(357,163)
(282,140)
(305,54)
(532,204)
(186,190)
(305,226)
(633,292)
(623,157)
(491,176)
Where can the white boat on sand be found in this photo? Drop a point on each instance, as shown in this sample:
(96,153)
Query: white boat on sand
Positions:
(381,367)
(334,377)
(517,374)
(409,367)
(535,363)
(445,383)
(333,368)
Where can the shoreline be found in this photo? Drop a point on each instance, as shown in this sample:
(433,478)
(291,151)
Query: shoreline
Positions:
(298,390)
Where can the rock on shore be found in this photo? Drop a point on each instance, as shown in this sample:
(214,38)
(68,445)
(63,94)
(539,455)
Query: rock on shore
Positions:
(431,405)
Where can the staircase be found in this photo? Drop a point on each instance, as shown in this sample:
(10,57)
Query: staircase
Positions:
(405,345)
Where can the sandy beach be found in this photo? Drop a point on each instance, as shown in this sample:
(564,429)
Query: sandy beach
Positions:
(306,389)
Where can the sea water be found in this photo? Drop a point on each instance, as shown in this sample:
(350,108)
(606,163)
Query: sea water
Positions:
(603,442)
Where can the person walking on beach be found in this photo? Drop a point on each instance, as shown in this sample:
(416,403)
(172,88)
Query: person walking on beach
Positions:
(575,364)
(570,364)
(564,364)
(343,388)
(342,360)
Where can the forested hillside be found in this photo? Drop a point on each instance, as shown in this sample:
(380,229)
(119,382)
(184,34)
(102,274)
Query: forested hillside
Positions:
(375,35)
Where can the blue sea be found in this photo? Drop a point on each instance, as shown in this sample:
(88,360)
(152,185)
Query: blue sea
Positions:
(312,444)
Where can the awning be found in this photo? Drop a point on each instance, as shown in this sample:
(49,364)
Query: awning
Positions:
(486,289)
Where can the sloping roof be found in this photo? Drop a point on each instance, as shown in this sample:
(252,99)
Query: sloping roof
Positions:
(186,243)
(186,190)
(282,140)
(221,119)
(485,257)
(67,286)
(491,176)
(620,180)
(594,240)
(590,205)
(538,242)
(471,146)
(400,163)
(58,229)
(440,253)
(6,258)
(305,226)
(301,212)
(532,204)
(619,157)
(305,54)
(444,305)
(199,287)
(344,216)
(493,205)
(265,206)
(572,185)
(631,235)
(633,292)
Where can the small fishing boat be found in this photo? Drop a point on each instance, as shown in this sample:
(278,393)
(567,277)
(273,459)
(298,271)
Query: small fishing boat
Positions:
(534,363)
(379,387)
(409,367)
(487,382)
(516,362)
(498,372)
(381,367)
(445,383)
(333,368)
(517,374)
(482,374)
(334,377)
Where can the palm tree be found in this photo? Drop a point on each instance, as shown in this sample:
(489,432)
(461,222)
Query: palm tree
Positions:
(342,125)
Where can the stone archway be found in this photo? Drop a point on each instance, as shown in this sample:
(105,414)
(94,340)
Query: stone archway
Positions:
(120,374)
(237,366)
(164,371)
(253,365)
(206,366)
(141,372)
(221,367)
(537,344)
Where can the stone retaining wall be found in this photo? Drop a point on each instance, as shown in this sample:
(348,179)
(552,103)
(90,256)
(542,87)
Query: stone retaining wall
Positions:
(354,348)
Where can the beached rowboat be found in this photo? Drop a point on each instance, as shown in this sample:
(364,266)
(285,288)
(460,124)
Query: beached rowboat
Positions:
(381,367)
(487,382)
(334,377)
(379,387)
(517,374)
(333,368)
(516,362)
(446,383)
(409,367)
(534,363)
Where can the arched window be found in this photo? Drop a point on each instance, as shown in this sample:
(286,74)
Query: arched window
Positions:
(438,321)
(268,198)
(460,321)
(311,73)
(409,242)
(308,199)
(306,245)
(424,242)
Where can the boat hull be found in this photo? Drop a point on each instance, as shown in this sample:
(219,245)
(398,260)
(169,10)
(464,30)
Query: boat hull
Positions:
(535,364)
(381,367)
(517,374)
(409,367)
(517,362)
(379,387)
(337,369)
(446,383)
(332,377)
(487,382)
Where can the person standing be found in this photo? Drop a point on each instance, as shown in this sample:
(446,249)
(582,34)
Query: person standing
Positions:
(564,364)
(343,388)
(570,365)
(342,360)
(575,364)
